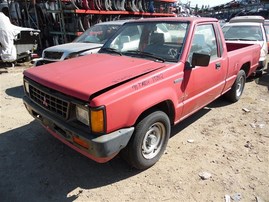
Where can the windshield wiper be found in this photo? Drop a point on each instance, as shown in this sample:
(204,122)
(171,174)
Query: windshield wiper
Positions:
(111,50)
(145,54)
(232,39)
(249,40)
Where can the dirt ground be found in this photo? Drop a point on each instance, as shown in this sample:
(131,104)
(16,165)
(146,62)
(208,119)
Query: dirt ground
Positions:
(228,141)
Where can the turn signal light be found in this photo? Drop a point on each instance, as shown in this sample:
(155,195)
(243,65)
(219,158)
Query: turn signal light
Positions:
(81,142)
(97,121)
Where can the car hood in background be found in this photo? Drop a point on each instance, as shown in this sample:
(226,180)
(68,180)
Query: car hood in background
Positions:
(73,47)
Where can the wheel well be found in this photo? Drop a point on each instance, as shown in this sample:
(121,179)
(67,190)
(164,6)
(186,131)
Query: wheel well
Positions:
(246,67)
(165,106)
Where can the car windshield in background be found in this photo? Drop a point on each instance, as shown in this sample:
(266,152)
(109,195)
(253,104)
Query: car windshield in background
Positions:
(97,34)
(243,33)
(159,41)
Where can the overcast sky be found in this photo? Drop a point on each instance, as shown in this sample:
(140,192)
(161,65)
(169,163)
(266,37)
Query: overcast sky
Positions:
(206,2)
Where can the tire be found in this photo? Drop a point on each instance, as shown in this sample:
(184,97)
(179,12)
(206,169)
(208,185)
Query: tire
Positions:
(28,58)
(148,141)
(237,89)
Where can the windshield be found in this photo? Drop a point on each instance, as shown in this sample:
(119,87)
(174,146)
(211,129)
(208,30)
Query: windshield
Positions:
(97,33)
(162,41)
(244,33)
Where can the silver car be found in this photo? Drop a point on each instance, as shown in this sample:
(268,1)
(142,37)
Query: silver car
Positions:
(248,30)
(87,43)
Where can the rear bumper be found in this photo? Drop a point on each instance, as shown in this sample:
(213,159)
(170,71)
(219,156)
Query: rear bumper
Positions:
(262,65)
(99,148)
(259,71)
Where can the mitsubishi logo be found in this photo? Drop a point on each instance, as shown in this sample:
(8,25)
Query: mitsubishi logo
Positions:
(45,103)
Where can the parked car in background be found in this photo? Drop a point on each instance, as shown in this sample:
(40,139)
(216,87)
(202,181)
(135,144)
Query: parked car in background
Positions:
(87,43)
(26,43)
(16,43)
(248,30)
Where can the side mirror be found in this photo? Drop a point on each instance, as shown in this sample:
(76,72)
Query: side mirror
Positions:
(200,59)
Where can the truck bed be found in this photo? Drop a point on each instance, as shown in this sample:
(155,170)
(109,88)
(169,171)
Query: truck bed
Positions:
(235,46)
(239,53)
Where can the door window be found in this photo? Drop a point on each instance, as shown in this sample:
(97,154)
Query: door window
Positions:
(204,41)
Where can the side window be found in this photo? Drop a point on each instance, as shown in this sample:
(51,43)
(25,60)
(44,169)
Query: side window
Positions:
(204,41)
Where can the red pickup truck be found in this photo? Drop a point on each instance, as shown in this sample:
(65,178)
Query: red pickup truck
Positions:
(150,75)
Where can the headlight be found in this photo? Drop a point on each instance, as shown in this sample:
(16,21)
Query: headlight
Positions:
(98,120)
(26,87)
(94,117)
(82,114)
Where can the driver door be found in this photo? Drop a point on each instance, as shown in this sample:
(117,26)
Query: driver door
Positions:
(203,84)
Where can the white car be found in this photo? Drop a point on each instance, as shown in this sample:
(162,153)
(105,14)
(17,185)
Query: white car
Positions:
(248,30)
(87,43)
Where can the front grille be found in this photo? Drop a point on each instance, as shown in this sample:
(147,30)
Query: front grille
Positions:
(51,103)
(53,55)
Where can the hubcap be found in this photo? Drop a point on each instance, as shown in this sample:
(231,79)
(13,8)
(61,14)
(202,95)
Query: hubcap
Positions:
(240,86)
(153,140)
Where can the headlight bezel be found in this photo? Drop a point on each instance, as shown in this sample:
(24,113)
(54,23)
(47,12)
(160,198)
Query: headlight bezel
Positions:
(83,114)
(93,117)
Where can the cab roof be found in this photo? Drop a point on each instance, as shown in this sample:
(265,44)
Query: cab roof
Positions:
(176,19)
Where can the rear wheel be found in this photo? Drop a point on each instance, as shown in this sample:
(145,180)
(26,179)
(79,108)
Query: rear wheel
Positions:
(149,141)
(237,89)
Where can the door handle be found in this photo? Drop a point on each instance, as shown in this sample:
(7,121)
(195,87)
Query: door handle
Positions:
(218,65)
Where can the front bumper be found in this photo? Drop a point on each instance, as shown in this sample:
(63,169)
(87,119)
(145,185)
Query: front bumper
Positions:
(100,148)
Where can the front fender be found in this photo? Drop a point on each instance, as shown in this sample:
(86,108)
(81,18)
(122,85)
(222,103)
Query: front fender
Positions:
(149,100)
(124,111)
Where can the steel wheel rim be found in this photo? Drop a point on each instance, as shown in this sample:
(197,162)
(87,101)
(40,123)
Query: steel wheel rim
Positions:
(153,140)
(240,86)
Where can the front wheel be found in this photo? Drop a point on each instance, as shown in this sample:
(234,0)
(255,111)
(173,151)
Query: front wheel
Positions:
(236,91)
(149,141)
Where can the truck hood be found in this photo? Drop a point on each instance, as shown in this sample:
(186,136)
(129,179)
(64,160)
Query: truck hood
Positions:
(83,76)
(73,47)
